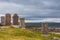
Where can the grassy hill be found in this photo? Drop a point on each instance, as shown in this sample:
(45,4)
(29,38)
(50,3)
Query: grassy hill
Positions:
(12,33)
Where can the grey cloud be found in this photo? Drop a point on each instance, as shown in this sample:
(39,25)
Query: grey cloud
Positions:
(37,8)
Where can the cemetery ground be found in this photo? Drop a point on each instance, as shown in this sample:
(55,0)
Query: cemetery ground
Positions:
(11,33)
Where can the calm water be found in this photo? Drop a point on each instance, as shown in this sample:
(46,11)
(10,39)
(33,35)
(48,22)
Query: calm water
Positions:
(39,24)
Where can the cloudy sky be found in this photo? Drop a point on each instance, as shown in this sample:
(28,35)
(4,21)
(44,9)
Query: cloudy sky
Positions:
(31,8)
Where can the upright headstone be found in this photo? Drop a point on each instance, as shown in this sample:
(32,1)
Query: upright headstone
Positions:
(15,19)
(22,22)
(8,19)
(45,28)
(2,20)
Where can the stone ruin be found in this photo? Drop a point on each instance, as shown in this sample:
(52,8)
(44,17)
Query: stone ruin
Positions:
(15,19)
(44,28)
(2,20)
(22,22)
(8,19)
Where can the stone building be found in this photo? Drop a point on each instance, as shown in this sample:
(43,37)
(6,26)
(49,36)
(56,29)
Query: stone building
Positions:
(2,20)
(15,19)
(22,22)
(8,19)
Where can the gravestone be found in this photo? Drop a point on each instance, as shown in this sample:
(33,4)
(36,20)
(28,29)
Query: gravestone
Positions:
(2,20)
(15,19)
(45,28)
(8,19)
(22,22)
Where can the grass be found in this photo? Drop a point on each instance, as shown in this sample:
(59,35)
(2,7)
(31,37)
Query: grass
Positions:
(12,33)
(55,35)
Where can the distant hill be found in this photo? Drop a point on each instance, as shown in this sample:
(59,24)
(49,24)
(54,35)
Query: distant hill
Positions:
(51,24)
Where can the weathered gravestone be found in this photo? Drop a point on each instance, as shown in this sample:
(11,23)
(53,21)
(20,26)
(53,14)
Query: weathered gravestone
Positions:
(45,28)
(8,19)
(22,22)
(2,20)
(15,19)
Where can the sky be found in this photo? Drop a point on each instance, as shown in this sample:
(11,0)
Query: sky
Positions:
(33,9)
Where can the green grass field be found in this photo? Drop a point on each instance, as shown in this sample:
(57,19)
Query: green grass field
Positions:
(12,33)
(55,35)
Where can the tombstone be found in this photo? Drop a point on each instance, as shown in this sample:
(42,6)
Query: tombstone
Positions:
(2,20)
(8,19)
(45,28)
(15,19)
(22,22)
